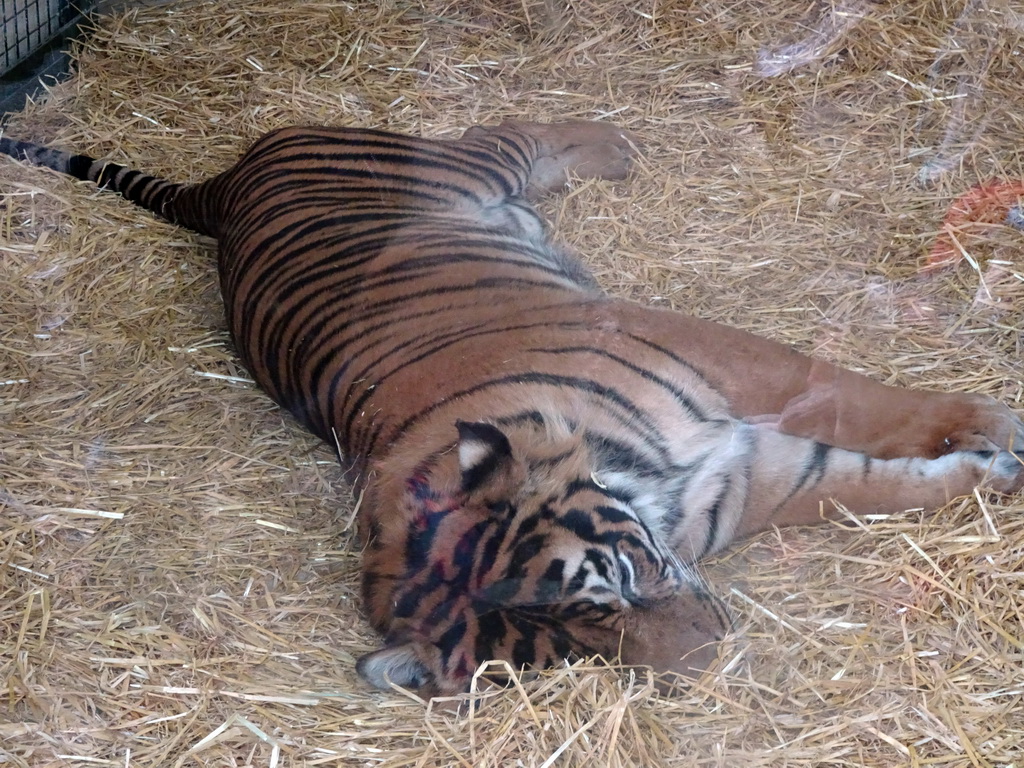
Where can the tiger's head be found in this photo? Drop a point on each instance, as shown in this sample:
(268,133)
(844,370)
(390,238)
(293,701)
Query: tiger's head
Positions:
(511,548)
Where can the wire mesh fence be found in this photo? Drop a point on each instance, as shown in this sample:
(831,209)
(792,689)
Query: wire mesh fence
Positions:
(32,42)
(29,25)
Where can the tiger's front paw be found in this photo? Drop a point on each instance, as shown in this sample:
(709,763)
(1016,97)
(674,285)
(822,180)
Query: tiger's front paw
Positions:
(978,423)
(984,427)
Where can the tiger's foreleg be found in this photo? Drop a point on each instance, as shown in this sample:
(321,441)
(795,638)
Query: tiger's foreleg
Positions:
(793,481)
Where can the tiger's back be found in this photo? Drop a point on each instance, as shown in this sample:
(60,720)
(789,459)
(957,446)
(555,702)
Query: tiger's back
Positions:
(353,262)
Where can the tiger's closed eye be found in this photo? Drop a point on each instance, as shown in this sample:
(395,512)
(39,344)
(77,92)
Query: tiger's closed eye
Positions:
(627,579)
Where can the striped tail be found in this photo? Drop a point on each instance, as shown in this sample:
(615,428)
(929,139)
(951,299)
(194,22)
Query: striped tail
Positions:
(183,204)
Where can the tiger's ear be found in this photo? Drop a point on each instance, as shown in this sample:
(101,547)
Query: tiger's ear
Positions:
(485,459)
(397,664)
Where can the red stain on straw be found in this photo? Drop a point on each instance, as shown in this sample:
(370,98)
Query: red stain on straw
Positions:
(987,203)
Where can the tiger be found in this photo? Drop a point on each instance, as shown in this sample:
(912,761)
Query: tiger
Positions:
(541,464)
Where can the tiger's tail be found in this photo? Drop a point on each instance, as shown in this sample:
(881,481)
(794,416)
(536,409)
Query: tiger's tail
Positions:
(188,205)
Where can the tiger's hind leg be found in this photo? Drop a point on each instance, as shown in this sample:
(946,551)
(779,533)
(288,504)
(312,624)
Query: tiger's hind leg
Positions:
(764,381)
(551,153)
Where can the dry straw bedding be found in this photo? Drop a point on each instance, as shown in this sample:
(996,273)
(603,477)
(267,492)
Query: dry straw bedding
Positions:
(178,574)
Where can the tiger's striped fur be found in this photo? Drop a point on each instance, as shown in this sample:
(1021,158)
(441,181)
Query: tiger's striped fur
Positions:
(539,461)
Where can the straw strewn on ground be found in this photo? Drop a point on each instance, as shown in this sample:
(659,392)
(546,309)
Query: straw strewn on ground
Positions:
(178,575)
